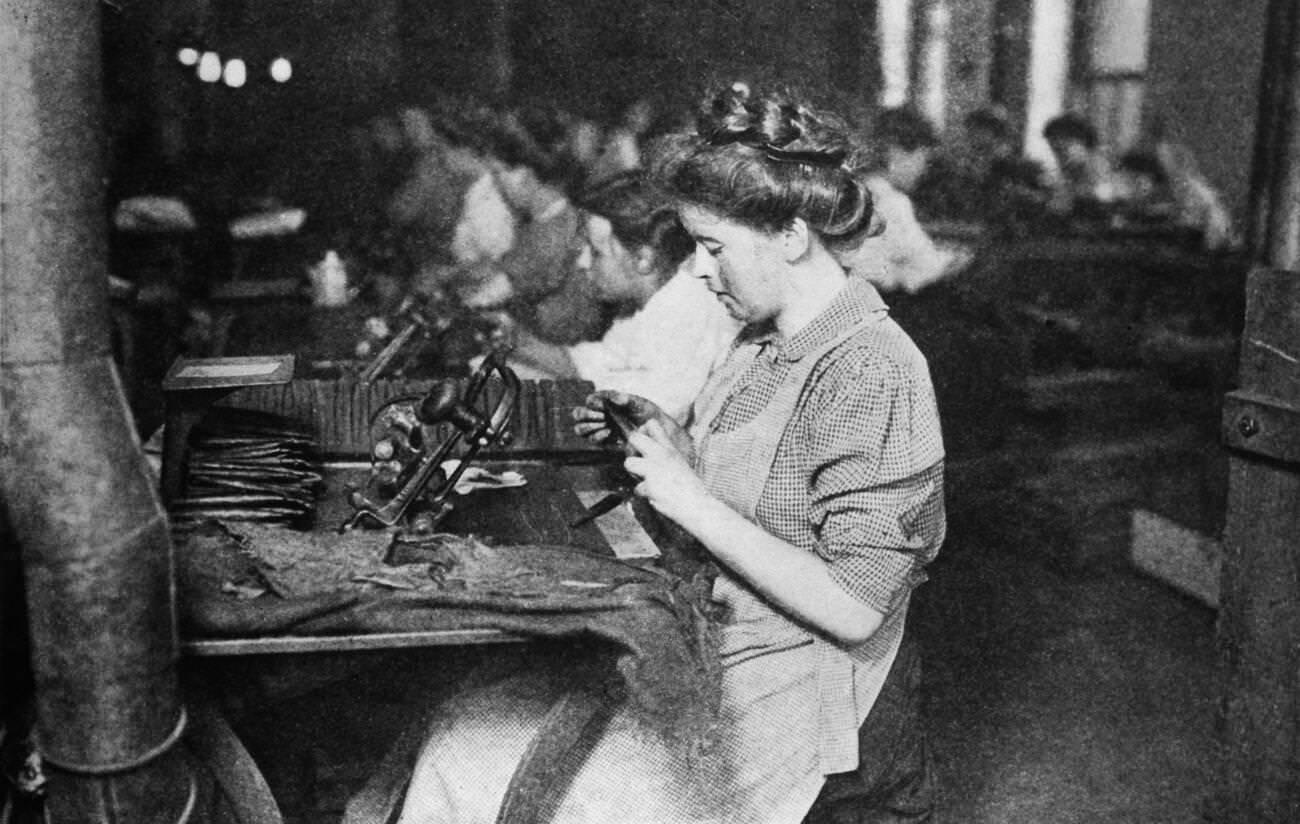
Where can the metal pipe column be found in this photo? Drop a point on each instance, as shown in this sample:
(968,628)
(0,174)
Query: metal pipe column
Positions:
(91,532)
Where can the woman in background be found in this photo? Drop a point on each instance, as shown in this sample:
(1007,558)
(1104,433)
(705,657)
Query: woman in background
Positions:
(669,333)
(901,256)
(1085,181)
(1165,184)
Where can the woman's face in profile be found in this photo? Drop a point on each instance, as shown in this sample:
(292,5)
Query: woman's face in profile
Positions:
(742,266)
(615,272)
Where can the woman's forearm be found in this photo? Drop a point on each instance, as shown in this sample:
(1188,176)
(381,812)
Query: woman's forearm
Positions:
(796,580)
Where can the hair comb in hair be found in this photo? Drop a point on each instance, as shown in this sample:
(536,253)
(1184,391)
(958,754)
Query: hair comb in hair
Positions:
(830,160)
(754,139)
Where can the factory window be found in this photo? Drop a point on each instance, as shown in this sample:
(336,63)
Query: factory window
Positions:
(1116,76)
(894,19)
(1049,50)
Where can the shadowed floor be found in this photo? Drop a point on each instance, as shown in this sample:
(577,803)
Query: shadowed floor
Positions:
(1079,696)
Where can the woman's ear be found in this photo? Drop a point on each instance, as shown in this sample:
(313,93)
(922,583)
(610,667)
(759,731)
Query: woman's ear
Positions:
(796,239)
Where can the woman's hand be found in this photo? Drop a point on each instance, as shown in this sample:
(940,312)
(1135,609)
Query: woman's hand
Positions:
(665,476)
(595,419)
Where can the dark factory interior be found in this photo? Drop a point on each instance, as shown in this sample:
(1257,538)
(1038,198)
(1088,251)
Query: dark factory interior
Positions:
(238,251)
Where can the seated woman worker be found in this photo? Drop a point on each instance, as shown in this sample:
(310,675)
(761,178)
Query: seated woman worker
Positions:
(669,332)
(535,279)
(811,470)
(812,467)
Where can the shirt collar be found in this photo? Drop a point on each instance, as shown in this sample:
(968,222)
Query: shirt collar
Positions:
(855,302)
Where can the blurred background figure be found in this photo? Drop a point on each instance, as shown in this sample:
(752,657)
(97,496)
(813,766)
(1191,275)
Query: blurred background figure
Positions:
(1163,184)
(991,149)
(668,331)
(448,200)
(901,255)
(1005,184)
(1085,182)
(906,143)
(640,122)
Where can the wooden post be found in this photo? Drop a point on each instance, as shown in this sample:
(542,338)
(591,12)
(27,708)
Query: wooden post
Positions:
(1259,634)
(1283,246)
(1272,99)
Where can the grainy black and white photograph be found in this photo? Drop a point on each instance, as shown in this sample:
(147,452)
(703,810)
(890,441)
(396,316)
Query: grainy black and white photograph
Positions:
(612,412)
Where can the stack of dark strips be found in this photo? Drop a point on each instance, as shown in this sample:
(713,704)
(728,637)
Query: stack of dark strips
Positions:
(246,465)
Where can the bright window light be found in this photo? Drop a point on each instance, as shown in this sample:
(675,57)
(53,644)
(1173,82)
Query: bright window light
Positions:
(1049,67)
(894,23)
(188,56)
(281,70)
(235,74)
(932,79)
(210,67)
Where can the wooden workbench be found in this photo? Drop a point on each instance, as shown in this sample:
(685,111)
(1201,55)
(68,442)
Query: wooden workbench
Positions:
(227,675)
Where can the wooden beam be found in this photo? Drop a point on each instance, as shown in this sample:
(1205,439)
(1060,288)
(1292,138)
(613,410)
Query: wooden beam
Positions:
(1259,631)
(1272,94)
(1283,250)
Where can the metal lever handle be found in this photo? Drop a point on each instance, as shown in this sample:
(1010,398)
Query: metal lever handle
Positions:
(443,404)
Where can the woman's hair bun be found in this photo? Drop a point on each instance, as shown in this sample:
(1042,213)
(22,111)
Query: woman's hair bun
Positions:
(778,126)
(765,160)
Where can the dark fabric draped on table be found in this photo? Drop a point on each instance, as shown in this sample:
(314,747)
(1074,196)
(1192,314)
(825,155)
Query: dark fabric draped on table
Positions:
(658,621)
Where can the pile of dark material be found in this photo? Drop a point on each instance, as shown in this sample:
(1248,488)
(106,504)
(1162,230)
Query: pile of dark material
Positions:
(247,465)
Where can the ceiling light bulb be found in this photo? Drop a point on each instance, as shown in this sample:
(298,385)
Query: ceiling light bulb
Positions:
(209,67)
(235,74)
(281,70)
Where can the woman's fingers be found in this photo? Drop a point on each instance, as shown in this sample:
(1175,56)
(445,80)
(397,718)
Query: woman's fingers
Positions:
(594,431)
(590,421)
(659,433)
(590,408)
(582,415)
(643,442)
(636,466)
(596,400)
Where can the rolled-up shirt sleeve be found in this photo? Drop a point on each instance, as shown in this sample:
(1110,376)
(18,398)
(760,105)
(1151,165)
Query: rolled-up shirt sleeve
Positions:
(876,484)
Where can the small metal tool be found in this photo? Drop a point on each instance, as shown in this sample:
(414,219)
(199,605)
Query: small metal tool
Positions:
(621,422)
(613,500)
(416,322)
(607,504)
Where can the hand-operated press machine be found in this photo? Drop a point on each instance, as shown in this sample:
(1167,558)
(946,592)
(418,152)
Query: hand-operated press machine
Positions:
(410,476)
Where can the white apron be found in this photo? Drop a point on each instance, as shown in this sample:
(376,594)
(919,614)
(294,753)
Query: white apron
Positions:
(792,700)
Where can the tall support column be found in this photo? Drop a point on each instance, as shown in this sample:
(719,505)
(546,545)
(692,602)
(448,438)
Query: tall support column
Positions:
(1009,72)
(1273,85)
(501,60)
(92,536)
(1259,632)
